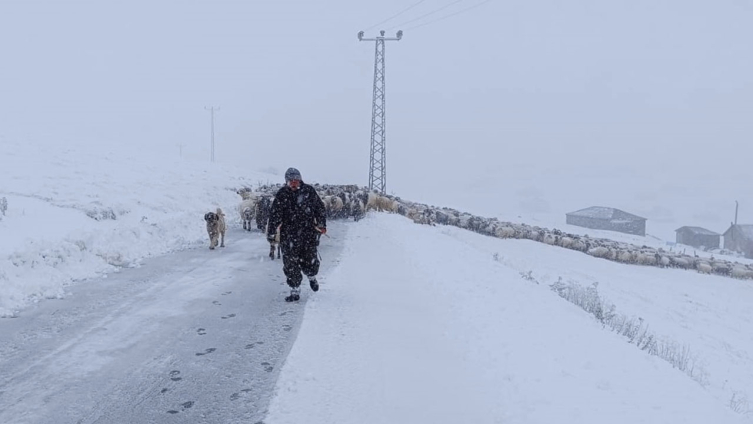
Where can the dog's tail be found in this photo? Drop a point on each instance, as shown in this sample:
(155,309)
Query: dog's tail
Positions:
(219,212)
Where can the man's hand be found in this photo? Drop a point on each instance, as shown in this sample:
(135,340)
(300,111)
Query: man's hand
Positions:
(271,238)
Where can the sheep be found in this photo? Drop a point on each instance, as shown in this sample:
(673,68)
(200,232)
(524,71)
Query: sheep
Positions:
(355,201)
(356,208)
(645,259)
(420,216)
(275,245)
(624,256)
(246,210)
(504,232)
(476,224)
(566,242)
(372,202)
(599,252)
(262,211)
(679,262)
(452,218)
(333,206)
(721,267)
(580,245)
(381,203)
(703,267)
(741,272)
(246,193)
(388,205)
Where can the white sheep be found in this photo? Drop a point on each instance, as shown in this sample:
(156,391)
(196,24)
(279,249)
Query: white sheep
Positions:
(599,252)
(567,242)
(579,245)
(741,272)
(679,262)
(703,267)
(247,210)
(333,205)
(372,202)
(504,232)
(624,256)
(643,258)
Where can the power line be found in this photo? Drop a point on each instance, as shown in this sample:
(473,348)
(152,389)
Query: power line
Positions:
(396,15)
(427,14)
(449,16)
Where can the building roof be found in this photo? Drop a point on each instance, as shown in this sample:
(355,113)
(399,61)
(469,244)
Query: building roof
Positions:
(606,213)
(698,230)
(745,230)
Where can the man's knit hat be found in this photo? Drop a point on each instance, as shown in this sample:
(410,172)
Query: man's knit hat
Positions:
(292,174)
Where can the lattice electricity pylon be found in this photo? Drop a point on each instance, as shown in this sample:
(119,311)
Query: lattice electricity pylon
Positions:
(378,165)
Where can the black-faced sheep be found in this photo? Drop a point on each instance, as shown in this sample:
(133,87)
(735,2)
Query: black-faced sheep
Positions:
(263,209)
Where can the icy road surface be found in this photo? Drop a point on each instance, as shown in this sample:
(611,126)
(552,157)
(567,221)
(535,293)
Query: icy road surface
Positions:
(196,336)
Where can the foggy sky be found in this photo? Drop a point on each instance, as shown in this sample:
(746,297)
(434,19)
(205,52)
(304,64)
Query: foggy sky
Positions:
(572,88)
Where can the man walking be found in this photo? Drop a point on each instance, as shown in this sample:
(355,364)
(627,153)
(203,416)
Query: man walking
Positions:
(299,210)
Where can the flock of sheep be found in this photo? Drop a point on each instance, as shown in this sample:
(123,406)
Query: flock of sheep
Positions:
(350,201)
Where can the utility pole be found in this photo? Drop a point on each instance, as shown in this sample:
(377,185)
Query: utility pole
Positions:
(180,149)
(378,166)
(212,109)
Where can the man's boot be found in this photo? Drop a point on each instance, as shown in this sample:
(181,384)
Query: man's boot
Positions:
(295,295)
(314,284)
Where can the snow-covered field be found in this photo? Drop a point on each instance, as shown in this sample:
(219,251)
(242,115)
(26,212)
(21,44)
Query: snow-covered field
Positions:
(76,212)
(416,323)
(422,324)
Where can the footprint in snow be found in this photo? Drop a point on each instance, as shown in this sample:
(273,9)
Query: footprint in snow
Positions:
(251,345)
(206,351)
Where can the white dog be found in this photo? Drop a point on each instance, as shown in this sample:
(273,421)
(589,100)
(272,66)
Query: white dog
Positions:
(215,228)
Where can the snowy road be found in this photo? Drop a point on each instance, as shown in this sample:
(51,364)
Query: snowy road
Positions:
(192,337)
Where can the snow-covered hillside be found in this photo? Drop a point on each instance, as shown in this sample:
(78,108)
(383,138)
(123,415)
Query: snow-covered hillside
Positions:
(417,323)
(76,212)
(438,324)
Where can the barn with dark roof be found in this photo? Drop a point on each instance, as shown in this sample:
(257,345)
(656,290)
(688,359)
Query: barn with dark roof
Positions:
(739,238)
(698,237)
(610,219)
